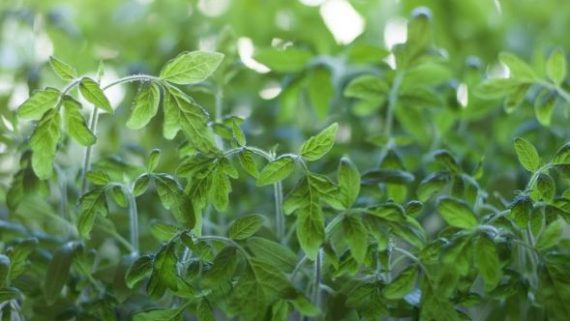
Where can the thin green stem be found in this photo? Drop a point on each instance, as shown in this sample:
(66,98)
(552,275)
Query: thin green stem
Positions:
(94,118)
(559,90)
(279,217)
(392,99)
(133,222)
(318,277)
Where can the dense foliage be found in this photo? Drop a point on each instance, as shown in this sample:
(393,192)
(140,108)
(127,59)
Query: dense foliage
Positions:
(151,169)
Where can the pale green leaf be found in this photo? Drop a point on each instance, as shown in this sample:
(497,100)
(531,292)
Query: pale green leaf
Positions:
(145,106)
(44,144)
(527,154)
(348,181)
(317,146)
(61,69)
(356,236)
(75,123)
(39,103)
(91,91)
(191,67)
(456,213)
(556,67)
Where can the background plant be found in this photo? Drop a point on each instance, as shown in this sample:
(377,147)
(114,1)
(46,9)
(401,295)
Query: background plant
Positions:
(176,178)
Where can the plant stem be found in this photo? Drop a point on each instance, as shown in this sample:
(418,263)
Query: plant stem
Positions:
(392,98)
(318,276)
(95,116)
(88,150)
(279,217)
(134,222)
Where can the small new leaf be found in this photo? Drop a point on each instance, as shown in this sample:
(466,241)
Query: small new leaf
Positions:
(62,70)
(527,154)
(91,91)
(245,226)
(317,146)
(191,67)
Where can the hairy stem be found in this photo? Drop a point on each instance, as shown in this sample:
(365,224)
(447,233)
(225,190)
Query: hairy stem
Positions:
(392,98)
(318,276)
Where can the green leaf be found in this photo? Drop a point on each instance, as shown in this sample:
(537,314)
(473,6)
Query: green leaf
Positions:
(164,270)
(145,106)
(288,60)
(487,262)
(91,204)
(204,311)
(321,91)
(219,189)
(496,88)
(153,159)
(58,271)
(75,123)
(556,67)
(519,69)
(44,144)
(191,67)
(456,213)
(91,91)
(237,133)
(245,226)
(527,154)
(310,229)
(356,236)
(273,252)
(367,87)
(174,314)
(182,112)
(317,146)
(387,176)
(141,185)
(544,105)
(62,70)
(445,158)
(140,269)
(348,181)
(546,186)
(273,282)
(4,270)
(276,171)
(247,162)
(162,231)
(223,266)
(39,103)
(18,255)
(562,156)
(551,235)
(8,294)
(402,284)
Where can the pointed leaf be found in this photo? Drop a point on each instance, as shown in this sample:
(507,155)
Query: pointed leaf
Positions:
(145,106)
(245,226)
(317,146)
(91,91)
(191,67)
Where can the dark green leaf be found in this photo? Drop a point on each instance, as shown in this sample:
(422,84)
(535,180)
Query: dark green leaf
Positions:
(245,226)
(356,236)
(141,268)
(456,213)
(402,284)
(58,271)
(487,262)
(348,181)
